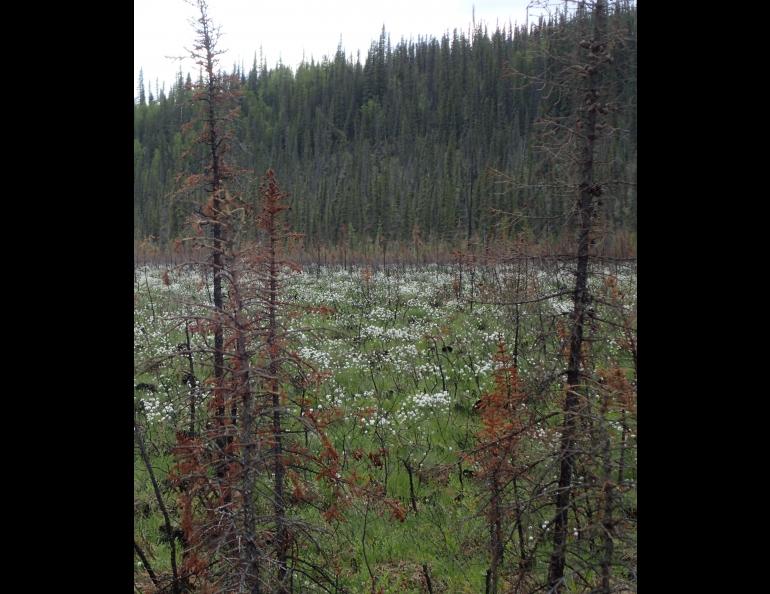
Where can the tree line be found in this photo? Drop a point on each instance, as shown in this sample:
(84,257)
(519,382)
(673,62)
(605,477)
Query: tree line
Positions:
(439,138)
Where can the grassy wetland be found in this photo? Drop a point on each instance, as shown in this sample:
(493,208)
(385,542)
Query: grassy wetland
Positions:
(400,360)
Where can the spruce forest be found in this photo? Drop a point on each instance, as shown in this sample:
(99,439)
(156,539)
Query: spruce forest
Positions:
(385,332)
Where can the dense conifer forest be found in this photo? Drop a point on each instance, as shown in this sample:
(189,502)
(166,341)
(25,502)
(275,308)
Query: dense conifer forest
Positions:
(440,137)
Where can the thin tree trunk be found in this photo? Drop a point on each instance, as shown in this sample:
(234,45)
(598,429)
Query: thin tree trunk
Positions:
(192,382)
(411,484)
(279,505)
(146,564)
(496,536)
(608,500)
(523,560)
(149,295)
(213,141)
(161,505)
(428,582)
(588,190)
(250,576)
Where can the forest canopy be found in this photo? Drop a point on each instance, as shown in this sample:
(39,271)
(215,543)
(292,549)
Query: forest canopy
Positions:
(436,136)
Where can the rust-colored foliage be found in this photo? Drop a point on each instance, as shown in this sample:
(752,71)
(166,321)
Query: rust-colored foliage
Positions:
(272,204)
(622,391)
(190,479)
(375,458)
(396,509)
(328,461)
(501,412)
(323,310)
(333,514)
(300,492)
(611,286)
(217,469)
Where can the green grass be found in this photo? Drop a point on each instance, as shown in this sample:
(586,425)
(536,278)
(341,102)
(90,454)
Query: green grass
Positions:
(385,348)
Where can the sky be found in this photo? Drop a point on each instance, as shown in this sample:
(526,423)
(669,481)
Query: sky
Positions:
(289,29)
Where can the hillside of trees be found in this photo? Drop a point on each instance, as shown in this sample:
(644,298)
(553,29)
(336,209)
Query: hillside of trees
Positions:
(436,137)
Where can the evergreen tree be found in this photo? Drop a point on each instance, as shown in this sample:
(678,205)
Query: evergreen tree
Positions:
(140,87)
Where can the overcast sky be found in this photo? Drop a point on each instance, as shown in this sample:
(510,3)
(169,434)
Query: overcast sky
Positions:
(287,28)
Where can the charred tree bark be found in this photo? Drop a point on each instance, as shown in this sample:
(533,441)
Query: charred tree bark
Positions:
(212,137)
(412,497)
(211,125)
(213,142)
(588,190)
(271,208)
(279,505)
(496,535)
(162,505)
(192,382)
(608,497)
(428,582)
(249,580)
(146,564)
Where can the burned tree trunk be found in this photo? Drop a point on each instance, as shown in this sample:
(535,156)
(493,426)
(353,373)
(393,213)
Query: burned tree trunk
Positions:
(588,190)
(271,207)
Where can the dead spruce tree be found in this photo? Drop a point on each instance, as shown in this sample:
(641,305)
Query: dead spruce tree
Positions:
(236,501)
(233,461)
(497,456)
(588,191)
(279,410)
(585,442)
(215,99)
(575,172)
(268,271)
